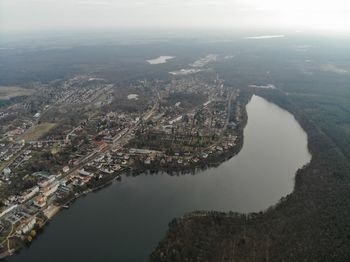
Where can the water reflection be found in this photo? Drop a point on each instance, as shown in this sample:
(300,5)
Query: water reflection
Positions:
(125,221)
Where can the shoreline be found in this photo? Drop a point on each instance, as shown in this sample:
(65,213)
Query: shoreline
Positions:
(257,229)
(211,162)
(225,156)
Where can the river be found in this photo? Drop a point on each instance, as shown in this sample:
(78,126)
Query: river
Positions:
(125,221)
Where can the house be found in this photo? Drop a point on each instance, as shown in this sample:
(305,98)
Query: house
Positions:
(65,169)
(49,190)
(26,225)
(28,194)
(82,172)
(47,181)
(6,171)
(195,160)
(40,201)
(162,162)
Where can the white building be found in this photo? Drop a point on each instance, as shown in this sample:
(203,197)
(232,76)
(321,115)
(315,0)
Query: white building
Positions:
(26,226)
(7,209)
(7,171)
(82,172)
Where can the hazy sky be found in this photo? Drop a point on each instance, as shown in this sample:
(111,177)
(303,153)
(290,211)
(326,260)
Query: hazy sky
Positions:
(324,15)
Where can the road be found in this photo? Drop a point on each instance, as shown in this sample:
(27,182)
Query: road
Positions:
(228,109)
(119,140)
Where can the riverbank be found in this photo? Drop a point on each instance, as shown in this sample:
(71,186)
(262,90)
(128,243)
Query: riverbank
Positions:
(212,160)
(300,227)
(243,184)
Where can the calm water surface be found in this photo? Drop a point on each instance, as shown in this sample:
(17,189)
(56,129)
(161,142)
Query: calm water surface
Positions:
(125,221)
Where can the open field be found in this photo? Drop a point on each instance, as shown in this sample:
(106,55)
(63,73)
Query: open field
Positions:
(8,92)
(37,131)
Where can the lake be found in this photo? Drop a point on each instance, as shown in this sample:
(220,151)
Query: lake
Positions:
(125,221)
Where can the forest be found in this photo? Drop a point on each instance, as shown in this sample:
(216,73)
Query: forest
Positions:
(310,224)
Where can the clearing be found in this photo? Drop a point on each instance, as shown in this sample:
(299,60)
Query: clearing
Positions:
(37,131)
(8,92)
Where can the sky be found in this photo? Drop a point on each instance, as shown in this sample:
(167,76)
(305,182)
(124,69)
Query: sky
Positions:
(298,15)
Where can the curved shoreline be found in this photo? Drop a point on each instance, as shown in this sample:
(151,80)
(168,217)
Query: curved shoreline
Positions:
(210,162)
(213,162)
(264,233)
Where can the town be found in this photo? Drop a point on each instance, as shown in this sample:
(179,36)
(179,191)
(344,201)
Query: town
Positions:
(78,135)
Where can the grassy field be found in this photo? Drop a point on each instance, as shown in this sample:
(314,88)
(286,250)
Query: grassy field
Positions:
(8,92)
(37,131)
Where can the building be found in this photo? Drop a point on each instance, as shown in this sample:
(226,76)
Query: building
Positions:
(40,201)
(26,225)
(6,171)
(7,209)
(47,181)
(49,190)
(65,169)
(28,194)
(82,172)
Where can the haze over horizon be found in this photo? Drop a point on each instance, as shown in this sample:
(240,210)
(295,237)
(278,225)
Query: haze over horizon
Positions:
(35,15)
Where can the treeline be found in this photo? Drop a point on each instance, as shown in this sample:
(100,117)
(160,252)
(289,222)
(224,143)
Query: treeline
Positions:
(310,224)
